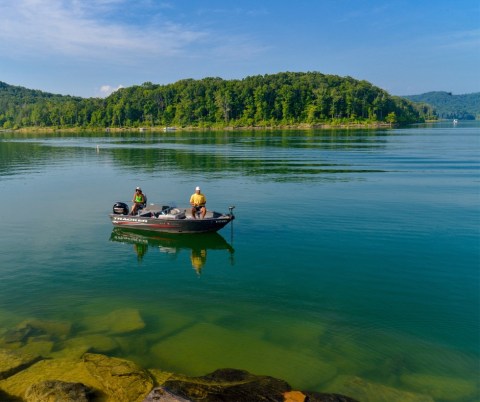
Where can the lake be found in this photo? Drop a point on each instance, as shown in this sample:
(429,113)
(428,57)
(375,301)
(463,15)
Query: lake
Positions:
(352,265)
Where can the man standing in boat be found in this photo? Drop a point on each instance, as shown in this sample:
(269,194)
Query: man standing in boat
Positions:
(198,201)
(138,201)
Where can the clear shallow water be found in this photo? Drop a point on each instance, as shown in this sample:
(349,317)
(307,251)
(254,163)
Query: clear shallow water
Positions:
(354,253)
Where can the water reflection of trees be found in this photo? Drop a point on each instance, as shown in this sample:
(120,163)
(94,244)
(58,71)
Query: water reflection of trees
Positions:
(277,155)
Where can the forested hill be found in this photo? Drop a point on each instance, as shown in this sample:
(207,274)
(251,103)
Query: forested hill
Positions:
(450,106)
(264,100)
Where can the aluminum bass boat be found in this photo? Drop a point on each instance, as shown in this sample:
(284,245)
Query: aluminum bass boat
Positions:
(163,218)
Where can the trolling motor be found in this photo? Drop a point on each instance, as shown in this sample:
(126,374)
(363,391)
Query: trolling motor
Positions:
(230,208)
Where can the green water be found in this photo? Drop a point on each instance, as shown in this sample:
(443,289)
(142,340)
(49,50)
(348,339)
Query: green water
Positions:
(352,266)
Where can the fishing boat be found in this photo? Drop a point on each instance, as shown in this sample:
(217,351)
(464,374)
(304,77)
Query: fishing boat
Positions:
(167,219)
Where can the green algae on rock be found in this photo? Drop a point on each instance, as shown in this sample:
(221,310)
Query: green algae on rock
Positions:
(119,377)
(12,362)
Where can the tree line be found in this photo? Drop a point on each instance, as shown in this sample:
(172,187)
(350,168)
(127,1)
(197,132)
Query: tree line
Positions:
(263,100)
(449,106)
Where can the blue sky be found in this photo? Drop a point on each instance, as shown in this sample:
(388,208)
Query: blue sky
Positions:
(92,47)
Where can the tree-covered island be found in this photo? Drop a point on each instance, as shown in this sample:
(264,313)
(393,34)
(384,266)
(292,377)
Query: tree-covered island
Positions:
(285,99)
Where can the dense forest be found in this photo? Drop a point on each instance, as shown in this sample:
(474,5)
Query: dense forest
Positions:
(448,106)
(264,100)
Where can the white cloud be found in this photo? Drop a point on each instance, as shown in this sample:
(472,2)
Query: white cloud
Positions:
(106,90)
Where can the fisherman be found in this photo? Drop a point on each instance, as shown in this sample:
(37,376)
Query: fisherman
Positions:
(198,201)
(138,200)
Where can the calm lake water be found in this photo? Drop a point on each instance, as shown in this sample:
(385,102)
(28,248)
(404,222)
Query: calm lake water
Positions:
(352,266)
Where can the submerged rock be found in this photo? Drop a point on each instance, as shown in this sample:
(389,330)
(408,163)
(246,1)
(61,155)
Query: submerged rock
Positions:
(367,391)
(91,343)
(48,391)
(19,335)
(215,346)
(34,328)
(442,387)
(40,348)
(12,362)
(117,322)
(55,329)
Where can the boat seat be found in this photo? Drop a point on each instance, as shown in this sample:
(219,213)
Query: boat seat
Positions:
(173,213)
(147,214)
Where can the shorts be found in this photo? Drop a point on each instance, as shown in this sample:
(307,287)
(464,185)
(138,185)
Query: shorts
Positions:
(199,207)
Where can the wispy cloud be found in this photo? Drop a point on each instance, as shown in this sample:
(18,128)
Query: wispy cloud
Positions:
(82,29)
(468,40)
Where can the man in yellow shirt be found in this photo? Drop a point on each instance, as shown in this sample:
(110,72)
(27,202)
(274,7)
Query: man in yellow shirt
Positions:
(198,201)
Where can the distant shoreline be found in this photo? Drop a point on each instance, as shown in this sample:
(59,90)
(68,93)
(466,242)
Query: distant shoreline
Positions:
(326,126)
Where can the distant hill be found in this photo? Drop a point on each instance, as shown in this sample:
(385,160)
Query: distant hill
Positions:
(283,99)
(448,106)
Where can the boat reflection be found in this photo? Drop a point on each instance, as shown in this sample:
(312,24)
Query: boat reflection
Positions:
(198,245)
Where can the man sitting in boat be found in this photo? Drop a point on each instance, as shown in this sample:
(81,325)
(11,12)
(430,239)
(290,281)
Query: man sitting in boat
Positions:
(139,201)
(198,201)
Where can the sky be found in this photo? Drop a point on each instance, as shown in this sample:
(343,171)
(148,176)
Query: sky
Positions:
(90,48)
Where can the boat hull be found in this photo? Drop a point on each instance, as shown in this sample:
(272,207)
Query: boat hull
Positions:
(213,222)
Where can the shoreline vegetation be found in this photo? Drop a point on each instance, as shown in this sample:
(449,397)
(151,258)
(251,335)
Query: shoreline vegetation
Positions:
(162,129)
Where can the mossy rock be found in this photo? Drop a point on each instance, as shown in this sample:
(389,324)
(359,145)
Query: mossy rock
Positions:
(49,391)
(110,379)
(11,362)
(366,391)
(120,378)
(442,387)
(67,370)
(160,376)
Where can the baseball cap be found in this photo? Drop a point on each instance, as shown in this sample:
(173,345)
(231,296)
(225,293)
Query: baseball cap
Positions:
(197,188)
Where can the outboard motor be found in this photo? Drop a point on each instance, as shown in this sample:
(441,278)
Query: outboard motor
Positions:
(120,208)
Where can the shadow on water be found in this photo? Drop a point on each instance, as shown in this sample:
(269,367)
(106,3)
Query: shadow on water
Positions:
(198,245)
